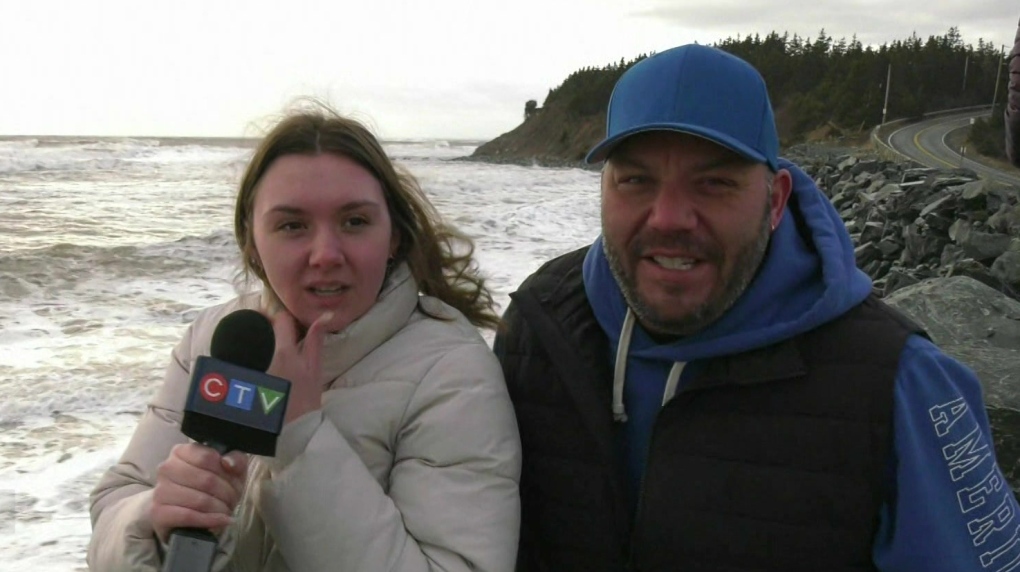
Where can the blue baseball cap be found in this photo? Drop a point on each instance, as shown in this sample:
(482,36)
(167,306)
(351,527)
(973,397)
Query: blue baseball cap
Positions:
(698,90)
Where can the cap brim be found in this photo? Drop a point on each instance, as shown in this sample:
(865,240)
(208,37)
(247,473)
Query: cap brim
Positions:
(605,147)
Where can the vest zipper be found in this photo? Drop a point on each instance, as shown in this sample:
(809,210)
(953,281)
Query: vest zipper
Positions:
(641,492)
(641,486)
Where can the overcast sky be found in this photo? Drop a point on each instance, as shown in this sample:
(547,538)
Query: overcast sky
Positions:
(412,69)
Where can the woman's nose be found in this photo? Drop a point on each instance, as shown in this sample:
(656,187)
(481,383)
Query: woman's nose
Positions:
(327,249)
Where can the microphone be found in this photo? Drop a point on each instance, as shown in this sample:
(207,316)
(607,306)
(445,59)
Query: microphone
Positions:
(232,405)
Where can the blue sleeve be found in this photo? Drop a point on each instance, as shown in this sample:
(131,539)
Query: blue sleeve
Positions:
(951,509)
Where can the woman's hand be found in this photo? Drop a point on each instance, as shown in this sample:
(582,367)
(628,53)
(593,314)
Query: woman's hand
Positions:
(299,362)
(196,487)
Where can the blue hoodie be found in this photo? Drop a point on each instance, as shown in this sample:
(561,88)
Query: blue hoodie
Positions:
(950,508)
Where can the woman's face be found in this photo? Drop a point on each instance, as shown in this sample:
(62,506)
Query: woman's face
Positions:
(323,235)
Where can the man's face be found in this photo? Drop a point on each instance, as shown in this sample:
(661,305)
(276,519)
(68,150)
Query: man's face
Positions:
(686,224)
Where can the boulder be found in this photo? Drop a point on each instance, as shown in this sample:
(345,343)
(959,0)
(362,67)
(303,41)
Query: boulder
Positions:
(1006,219)
(921,246)
(865,166)
(973,269)
(1007,267)
(872,231)
(916,174)
(847,162)
(896,279)
(984,246)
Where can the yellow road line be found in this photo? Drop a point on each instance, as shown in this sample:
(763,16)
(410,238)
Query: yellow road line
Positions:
(917,143)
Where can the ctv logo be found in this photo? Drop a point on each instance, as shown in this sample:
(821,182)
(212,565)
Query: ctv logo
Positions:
(214,387)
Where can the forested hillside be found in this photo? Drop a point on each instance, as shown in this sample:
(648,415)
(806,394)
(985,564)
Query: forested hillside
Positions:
(820,85)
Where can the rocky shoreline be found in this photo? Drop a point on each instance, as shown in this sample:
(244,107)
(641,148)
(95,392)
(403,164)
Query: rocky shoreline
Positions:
(913,223)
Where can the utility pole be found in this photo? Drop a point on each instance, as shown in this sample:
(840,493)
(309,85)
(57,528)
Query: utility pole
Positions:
(885,106)
(998,72)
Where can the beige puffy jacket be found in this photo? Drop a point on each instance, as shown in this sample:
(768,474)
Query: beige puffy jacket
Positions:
(411,464)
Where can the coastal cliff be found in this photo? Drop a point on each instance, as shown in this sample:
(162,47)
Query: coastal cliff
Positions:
(550,138)
(560,133)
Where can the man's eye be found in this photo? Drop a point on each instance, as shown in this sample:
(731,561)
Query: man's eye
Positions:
(632,180)
(718,183)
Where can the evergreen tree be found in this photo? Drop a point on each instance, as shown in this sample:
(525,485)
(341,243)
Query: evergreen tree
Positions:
(831,81)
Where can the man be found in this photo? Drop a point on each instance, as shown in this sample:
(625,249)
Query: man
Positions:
(711,384)
(1013,104)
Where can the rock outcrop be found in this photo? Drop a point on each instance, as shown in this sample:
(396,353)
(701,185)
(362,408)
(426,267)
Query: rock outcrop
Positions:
(552,137)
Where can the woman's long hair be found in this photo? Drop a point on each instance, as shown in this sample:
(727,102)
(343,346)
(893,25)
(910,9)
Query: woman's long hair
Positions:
(440,258)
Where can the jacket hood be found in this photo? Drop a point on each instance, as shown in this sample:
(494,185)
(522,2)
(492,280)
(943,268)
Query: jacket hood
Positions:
(808,277)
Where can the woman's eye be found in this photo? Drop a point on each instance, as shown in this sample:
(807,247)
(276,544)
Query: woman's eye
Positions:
(289,226)
(356,222)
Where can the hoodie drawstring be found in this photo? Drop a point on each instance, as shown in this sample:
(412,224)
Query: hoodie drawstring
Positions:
(619,413)
(620,373)
(672,381)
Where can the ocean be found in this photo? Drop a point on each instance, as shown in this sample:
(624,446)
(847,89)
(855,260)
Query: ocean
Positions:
(108,249)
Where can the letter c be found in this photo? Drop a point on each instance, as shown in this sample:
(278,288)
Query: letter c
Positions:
(213,387)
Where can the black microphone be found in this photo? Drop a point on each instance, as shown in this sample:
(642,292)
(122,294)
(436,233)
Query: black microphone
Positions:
(232,405)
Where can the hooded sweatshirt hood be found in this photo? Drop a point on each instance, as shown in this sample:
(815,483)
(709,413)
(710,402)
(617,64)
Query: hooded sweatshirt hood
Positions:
(808,277)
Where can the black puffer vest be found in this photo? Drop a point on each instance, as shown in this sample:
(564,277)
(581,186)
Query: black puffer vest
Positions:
(776,459)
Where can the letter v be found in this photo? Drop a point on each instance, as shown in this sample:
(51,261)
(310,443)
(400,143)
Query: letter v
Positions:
(269,399)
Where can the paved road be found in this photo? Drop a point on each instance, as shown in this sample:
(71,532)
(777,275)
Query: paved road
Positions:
(925,142)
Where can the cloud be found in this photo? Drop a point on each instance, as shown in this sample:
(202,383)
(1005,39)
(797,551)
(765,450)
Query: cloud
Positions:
(874,22)
(444,67)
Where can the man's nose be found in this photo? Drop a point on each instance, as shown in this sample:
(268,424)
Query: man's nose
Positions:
(672,210)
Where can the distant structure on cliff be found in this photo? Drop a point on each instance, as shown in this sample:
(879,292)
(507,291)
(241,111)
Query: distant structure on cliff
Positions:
(530,108)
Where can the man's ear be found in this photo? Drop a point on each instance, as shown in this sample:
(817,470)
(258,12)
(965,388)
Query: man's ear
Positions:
(782,187)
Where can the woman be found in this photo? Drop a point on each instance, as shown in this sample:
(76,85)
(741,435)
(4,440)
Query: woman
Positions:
(1013,103)
(399,449)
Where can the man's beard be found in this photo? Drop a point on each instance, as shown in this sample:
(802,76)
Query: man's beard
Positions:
(746,265)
